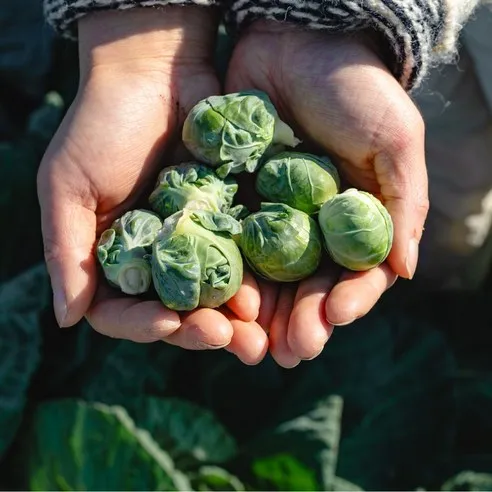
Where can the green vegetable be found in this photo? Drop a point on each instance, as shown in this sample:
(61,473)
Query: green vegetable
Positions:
(281,243)
(303,181)
(123,251)
(192,185)
(234,131)
(357,229)
(195,260)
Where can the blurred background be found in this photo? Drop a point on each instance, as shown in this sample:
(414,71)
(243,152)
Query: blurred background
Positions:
(399,400)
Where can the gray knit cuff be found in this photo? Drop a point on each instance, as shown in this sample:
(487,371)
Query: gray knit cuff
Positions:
(413,28)
(63,15)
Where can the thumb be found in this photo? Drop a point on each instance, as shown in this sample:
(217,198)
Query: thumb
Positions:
(69,234)
(403,180)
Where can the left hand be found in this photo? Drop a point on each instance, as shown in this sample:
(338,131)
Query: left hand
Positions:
(337,93)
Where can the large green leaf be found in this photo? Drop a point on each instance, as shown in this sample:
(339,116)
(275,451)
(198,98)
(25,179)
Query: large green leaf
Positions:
(302,453)
(73,445)
(188,432)
(283,472)
(20,339)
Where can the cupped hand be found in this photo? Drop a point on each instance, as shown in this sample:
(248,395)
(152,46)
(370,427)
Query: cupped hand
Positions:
(339,96)
(141,71)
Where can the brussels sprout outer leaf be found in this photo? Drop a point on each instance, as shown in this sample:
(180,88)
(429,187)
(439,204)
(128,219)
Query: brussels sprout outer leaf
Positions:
(104,245)
(195,261)
(303,181)
(176,272)
(281,243)
(239,212)
(192,185)
(137,228)
(357,230)
(216,222)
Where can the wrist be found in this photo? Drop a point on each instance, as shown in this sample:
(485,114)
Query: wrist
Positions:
(146,39)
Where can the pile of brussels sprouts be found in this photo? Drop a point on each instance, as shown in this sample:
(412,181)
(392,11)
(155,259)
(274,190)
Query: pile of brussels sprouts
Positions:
(191,242)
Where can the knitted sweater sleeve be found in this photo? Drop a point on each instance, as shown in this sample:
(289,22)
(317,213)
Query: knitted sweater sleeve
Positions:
(421,33)
(63,15)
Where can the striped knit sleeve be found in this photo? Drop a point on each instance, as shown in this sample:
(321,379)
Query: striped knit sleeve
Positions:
(63,15)
(421,33)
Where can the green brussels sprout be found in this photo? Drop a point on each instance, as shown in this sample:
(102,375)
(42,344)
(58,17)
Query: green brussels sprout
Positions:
(357,229)
(303,181)
(191,185)
(196,261)
(234,131)
(281,243)
(123,251)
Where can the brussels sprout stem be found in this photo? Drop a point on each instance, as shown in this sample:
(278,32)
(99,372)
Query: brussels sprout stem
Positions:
(134,279)
(283,134)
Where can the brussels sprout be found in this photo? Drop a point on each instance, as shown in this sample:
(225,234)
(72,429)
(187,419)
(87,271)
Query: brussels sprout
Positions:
(195,260)
(123,251)
(357,229)
(234,131)
(303,181)
(281,243)
(191,185)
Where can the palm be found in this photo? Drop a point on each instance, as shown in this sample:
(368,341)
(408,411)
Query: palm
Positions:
(118,153)
(311,82)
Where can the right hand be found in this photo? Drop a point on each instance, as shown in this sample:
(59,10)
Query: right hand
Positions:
(141,72)
(338,94)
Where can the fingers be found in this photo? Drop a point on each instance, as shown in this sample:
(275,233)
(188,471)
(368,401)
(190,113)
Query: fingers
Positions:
(149,321)
(203,329)
(279,346)
(132,319)
(308,329)
(69,230)
(356,293)
(246,303)
(249,341)
(269,293)
(402,175)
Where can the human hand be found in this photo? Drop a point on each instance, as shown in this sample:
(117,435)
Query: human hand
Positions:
(141,72)
(338,95)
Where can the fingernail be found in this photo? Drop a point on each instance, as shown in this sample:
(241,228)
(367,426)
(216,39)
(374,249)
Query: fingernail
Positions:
(210,346)
(314,356)
(341,324)
(412,258)
(344,324)
(60,307)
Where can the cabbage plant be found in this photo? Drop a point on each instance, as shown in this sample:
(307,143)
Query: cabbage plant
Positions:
(123,251)
(357,229)
(195,260)
(193,185)
(281,243)
(233,132)
(303,181)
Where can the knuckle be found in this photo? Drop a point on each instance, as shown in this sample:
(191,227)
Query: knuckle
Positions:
(51,250)
(406,131)
(150,333)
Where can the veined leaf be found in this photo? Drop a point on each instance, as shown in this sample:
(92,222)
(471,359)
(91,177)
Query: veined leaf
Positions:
(73,445)
(20,342)
(189,433)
